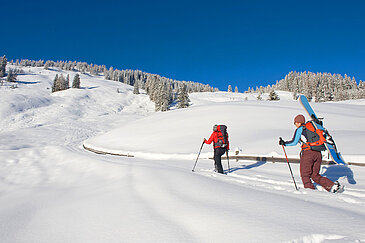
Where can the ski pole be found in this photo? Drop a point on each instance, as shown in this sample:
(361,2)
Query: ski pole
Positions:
(229,168)
(296,188)
(198,156)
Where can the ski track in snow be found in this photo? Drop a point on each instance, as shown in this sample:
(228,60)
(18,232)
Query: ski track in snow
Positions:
(52,190)
(351,196)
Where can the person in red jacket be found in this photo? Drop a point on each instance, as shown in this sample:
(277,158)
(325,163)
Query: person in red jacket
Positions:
(220,141)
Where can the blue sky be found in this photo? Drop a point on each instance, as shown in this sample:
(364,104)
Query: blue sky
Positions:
(242,43)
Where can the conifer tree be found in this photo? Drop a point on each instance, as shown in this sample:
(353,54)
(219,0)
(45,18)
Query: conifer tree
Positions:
(361,90)
(54,85)
(273,96)
(295,95)
(229,88)
(47,65)
(3,62)
(183,97)
(67,82)
(136,88)
(60,83)
(76,82)
(11,75)
(163,99)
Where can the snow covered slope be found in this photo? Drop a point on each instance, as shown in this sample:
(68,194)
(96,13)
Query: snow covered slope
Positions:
(254,126)
(96,107)
(52,190)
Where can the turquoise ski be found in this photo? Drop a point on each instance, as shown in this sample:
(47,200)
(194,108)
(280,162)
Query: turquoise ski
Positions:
(330,144)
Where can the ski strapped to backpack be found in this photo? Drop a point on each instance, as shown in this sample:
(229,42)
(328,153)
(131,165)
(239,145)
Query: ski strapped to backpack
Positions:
(315,137)
(330,143)
(222,136)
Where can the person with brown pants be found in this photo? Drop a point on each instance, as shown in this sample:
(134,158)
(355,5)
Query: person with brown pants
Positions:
(310,156)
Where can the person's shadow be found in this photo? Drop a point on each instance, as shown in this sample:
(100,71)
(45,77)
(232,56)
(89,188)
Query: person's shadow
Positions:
(334,172)
(258,163)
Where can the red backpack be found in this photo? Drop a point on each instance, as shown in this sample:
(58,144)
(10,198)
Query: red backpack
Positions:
(315,137)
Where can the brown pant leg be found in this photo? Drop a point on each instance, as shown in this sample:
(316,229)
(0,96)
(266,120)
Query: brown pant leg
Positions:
(306,169)
(316,177)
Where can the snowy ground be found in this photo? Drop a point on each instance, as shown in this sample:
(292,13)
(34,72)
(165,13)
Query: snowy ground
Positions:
(52,190)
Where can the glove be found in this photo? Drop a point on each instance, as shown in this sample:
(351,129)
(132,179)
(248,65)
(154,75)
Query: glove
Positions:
(281,141)
(204,140)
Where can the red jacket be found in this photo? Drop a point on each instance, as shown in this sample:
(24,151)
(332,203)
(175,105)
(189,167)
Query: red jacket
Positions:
(214,138)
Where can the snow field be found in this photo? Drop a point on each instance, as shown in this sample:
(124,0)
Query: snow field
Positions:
(52,190)
(253,126)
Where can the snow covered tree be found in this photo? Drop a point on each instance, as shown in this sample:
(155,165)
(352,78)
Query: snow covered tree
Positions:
(3,62)
(295,95)
(67,81)
(296,89)
(76,82)
(11,75)
(60,83)
(362,84)
(361,90)
(236,89)
(183,97)
(162,102)
(136,88)
(229,88)
(273,96)
(48,65)
(54,85)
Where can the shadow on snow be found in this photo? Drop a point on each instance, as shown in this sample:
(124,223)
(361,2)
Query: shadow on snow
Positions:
(246,167)
(27,82)
(334,172)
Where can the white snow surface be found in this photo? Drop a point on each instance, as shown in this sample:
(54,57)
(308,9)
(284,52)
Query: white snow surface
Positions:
(52,190)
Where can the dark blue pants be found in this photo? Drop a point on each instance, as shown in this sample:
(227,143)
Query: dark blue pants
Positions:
(218,152)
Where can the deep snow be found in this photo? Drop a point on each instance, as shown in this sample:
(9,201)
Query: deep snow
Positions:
(52,190)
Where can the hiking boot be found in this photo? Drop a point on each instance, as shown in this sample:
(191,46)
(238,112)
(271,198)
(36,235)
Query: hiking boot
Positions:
(336,188)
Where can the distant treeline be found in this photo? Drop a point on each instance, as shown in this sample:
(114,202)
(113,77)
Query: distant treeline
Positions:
(163,91)
(318,86)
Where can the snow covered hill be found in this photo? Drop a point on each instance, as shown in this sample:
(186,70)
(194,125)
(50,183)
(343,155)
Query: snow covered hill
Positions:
(52,190)
(254,127)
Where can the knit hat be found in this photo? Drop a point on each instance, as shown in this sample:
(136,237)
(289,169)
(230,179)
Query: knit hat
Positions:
(300,119)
